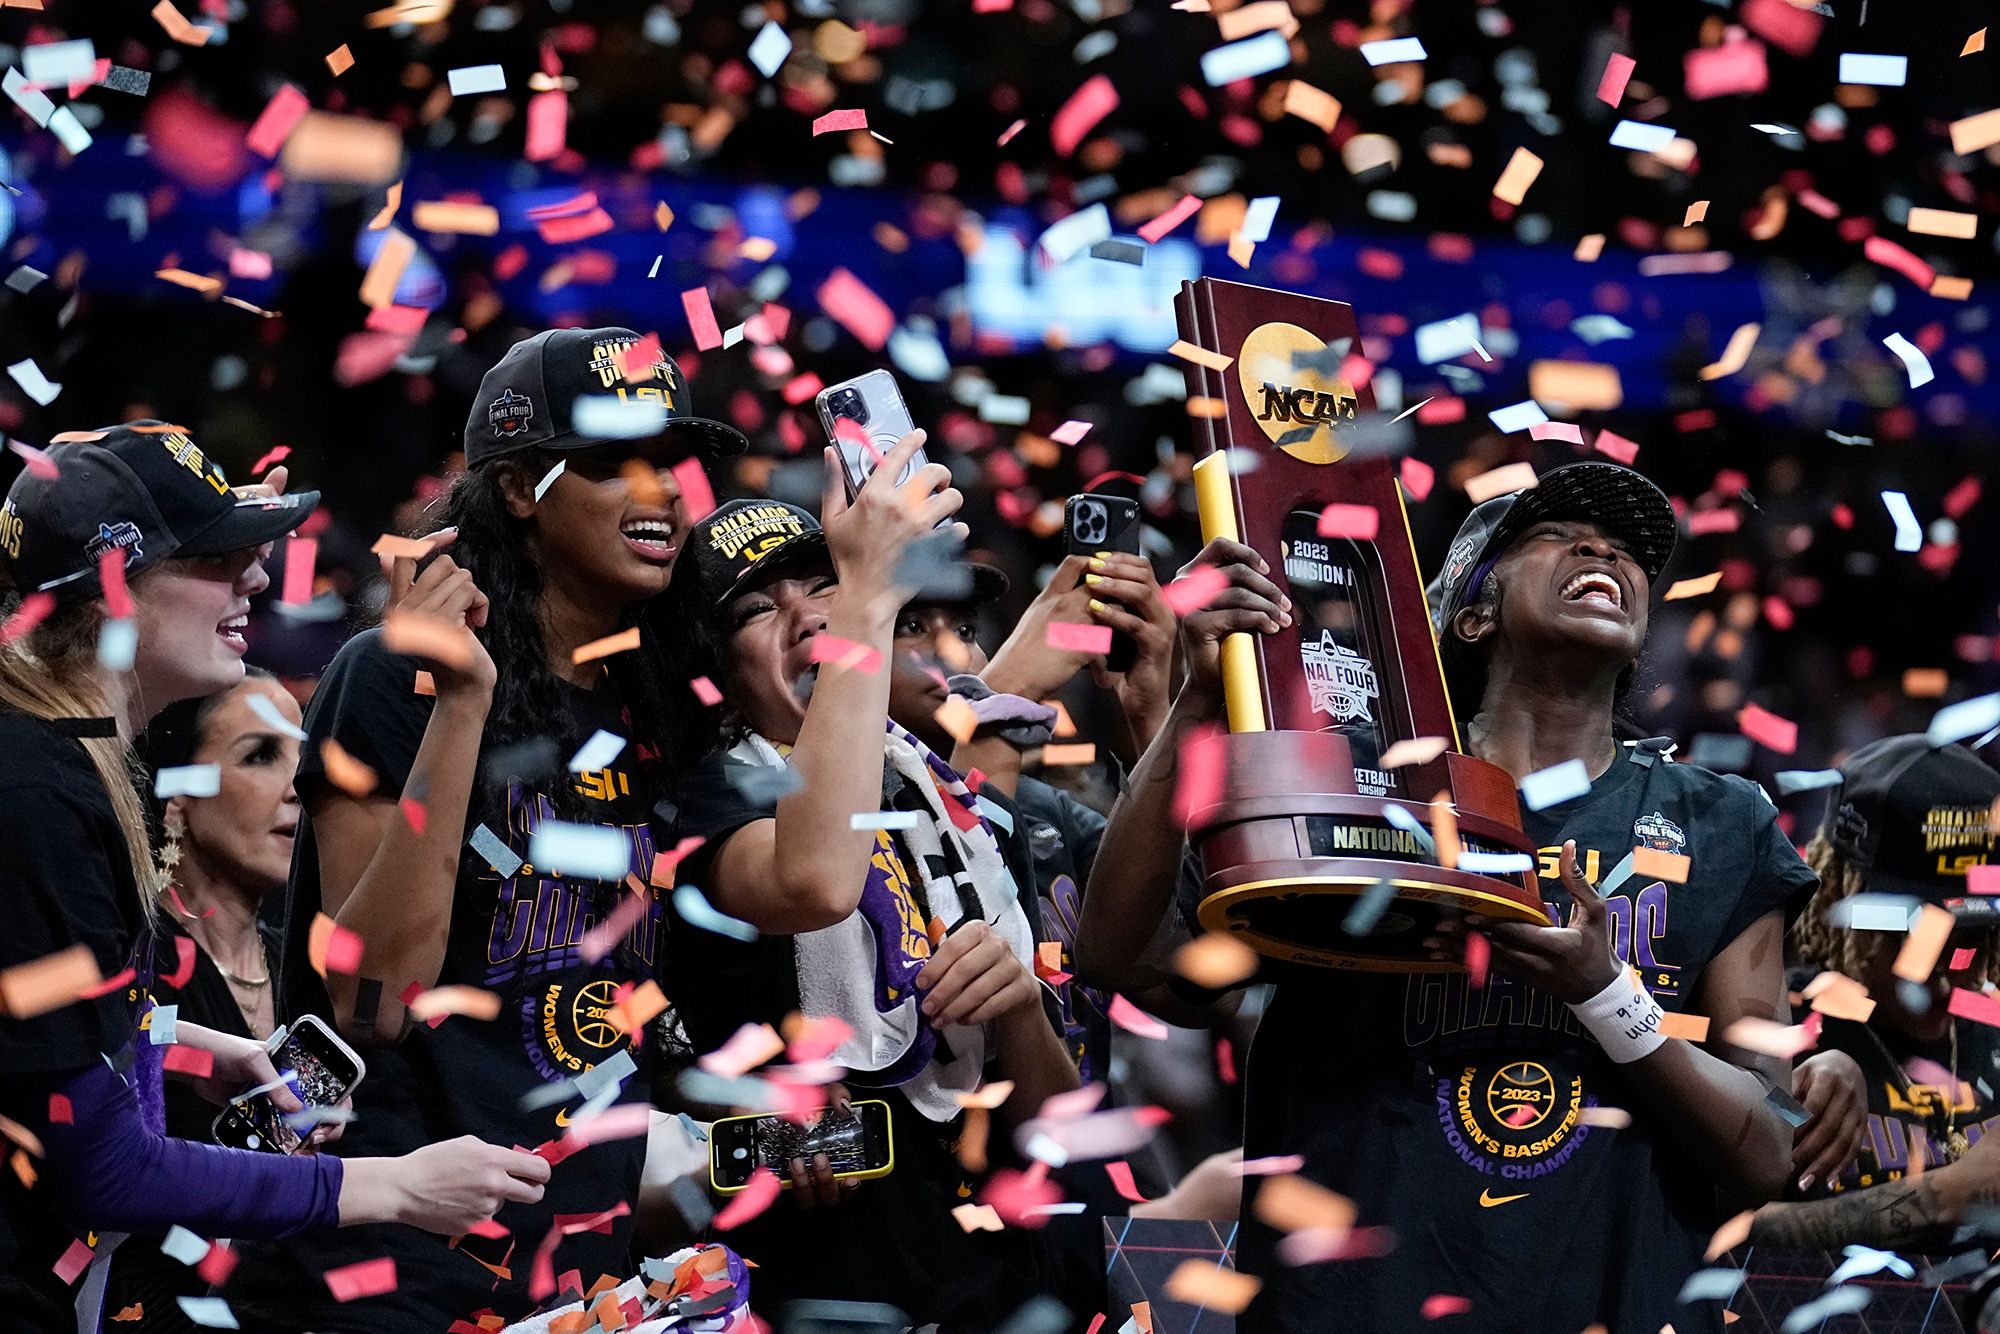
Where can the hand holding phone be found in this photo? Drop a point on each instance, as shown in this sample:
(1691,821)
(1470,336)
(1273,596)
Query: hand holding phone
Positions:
(1098,523)
(315,1064)
(864,418)
(859,1145)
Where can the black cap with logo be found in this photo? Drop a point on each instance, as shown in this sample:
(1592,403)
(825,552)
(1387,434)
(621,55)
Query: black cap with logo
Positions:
(1620,501)
(142,487)
(529,399)
(745,544)
(1913,818)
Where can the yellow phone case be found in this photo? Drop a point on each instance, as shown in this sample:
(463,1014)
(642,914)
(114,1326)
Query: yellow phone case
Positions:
(785,1182)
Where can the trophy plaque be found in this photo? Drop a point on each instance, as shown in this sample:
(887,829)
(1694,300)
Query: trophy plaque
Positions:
(1302,826)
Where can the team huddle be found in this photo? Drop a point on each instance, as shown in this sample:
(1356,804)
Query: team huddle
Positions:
(628,794)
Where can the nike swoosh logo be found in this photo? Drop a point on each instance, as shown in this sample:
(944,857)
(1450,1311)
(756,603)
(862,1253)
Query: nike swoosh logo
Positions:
(1487,1199)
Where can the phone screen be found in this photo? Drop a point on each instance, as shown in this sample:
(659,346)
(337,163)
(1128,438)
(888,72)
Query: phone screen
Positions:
(319,1072)
(852,1143)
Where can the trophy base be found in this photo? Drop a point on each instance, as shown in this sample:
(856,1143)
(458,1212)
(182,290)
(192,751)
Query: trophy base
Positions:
(1300,916)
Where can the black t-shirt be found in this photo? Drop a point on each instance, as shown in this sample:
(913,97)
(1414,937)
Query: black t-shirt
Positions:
(68,881)
(1912,1086)
(893,1239)
(517,936)
(1063,835)
(1394,1088)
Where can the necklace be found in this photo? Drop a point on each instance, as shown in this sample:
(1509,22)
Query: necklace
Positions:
(263,952)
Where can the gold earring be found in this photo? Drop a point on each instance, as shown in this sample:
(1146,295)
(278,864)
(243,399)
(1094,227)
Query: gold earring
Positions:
(169,856)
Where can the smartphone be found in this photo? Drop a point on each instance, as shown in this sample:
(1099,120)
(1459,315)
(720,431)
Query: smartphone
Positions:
(1094,523)
(859,1146)
(874,405)
(321,1069)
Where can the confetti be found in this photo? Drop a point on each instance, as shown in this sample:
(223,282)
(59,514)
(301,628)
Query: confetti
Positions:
(438,1002)
(1393,51)
(1644,138)
(1357,522)
(1093,100)
(756,1196)
(340,60)
(1206,1284)
(1074,638)
(1567,432)
(597,753)
(1942,222)
(771,48)
(385,271)
(1522,169)
(1194,590)
(856,308)
(1517,417)
(188,780)
(839,120)
(1200,356)
(1056,756)
(1254,56)
(701,318)
(1439,1305)
(281,115)
(1964,720)
(1617,73)
(1152,232)
(977,1218)
(1883,71)
(1310,104)
(1693,588)
(368,1278)
(1134,1020)
(1552,786)
(1914,361)
(594,852)
(1499,482)
(625,641)
(1909,533)
(1735,354)
(33,383)
(696,911)
(1918,957)
(177,27)
(1215,961)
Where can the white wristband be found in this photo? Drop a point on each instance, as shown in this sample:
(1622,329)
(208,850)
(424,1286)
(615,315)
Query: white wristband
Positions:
(1625,1022)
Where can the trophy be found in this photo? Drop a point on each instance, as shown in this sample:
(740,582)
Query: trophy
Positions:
(1301,831)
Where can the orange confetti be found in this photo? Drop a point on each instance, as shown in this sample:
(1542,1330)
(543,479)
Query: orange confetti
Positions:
(1921,947)
(1083,753)
(1735,354)
(423,636)
(1653,864)
(1310,104)
(623,642)
(340,60)
(1693,588)
(1692,1027)
(1215,961)
(1943,222)
(1522,169)
(48,983)
(1206,1283)
(344,771)
(385,271)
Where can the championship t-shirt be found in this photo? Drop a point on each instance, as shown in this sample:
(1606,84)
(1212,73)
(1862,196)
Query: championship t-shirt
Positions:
(1457,1119)
(517,934)
(68,882)
(892,1239)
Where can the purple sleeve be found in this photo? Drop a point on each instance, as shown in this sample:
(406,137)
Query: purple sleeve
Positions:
(114,1174)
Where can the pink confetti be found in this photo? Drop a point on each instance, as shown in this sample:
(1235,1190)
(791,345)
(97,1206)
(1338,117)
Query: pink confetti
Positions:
(1194,590)
(367,1278)
(1078,116)
(414,812)
(1070,432)
(1438,1305)
(697,497)
(1358,522)
(1983,879)
(1172,218)
(1889,255)
(701,318)
(562,231)
(1617,73)
(1201,768)
(548,125)
(856,308)
(1556,431)
(1768,729)
(39,463)
(840,120)
(1135,1020)
(60,1111)
(1418,477)
(215,1267)
(301,557)
(1975,1005)
(759,1194)
(601,939)
(1010,132)
(252,264)
(281,115)
(1783,23)
(1719,71)
(1616,446)
(705,691)
(193,1061)
(343,950)
(1478,955)
(74,1261)
(1079,638)
(276,454)
(184,965)
(1121,1179)
(818,1037)
(1270,1167)
(626,1121)
(1961,959)
(846,653)
(111,578)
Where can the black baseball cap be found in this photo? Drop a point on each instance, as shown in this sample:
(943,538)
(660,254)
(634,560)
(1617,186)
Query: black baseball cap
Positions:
(529,399)
(143,487)
(745,544)
(1620,501)
(1912,817)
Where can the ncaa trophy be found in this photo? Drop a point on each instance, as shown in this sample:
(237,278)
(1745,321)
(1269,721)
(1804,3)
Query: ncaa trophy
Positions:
(1301,827)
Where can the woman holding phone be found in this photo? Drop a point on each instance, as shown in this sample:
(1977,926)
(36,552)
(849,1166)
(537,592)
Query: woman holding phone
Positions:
(476,783)
(131,532)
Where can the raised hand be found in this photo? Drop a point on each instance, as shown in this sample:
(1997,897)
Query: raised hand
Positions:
(869,535)
(1250,603)
(438,609)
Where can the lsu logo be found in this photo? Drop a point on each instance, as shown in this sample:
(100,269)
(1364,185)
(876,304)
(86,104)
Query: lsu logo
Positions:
(10,531)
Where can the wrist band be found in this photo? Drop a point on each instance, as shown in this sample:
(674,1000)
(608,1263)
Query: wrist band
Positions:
(1625,1022)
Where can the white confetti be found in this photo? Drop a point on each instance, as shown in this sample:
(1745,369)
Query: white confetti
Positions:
(1841,1301)
(1393,51)
(605,417)
(882,820)
(1806,780)
(1913,359)
(595,852)
(1518,417)
(184,1245)
(1071,236)
(188,780)
(1909,533)
(496,852)
(69,130)
(1495,863)
(594,754)
(33,383)
(1967,718)
(1638,135)
(549,478)
(1883,71)
(1558,783)
(469,79)
(60,63)
(31,100)
(1257,219)
(771,48)
(118,644)
(1447,340)
(165,1026)
(261,705)
(210,1312)
(1252,56)
(1711,1285)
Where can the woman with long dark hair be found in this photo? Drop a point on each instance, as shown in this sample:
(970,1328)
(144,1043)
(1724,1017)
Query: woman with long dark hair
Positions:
(476,783)
(127,576)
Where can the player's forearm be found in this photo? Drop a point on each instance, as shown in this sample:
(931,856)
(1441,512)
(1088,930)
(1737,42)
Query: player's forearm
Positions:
(1031,1054)
(1718,1111)
(1898,1215)
(1138,862)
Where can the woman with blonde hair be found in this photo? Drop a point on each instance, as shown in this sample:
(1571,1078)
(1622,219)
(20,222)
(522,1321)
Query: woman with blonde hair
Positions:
(128,569)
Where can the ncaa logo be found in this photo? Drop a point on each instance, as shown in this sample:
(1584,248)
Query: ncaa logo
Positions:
(1339,681)
(1657,832)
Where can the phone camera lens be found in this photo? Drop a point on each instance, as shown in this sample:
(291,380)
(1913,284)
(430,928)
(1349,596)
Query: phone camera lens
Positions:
(848,403)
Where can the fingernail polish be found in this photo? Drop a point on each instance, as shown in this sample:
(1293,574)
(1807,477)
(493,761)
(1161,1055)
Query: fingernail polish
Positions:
(1805,1183)
(1093,578)
(1095,605)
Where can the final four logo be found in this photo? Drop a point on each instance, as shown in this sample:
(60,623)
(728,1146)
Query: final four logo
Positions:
(1340,681)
